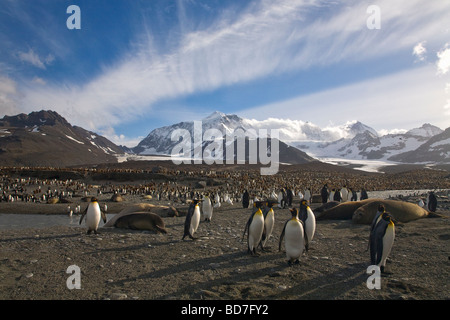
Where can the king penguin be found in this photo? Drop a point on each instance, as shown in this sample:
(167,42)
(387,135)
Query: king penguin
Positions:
(306,216)
(207,208)
(93,214)
(245,199)
(269,221)
(192,219)
(382,240)
(294,238)
(255,228)
(375,221)
(431,202)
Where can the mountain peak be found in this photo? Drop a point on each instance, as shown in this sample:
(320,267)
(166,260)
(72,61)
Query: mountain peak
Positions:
(35,118)
(426,130)
(215,115)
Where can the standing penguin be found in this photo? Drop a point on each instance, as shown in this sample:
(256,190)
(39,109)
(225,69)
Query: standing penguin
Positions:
(294,238)
(431,202)
(93,214)
(217,201)
(307,196)
(255,228)
(344,194)
(324,193)
(245,199)
(207,208)
(382,240)
(269,221)
(309,222)
(375,221)
(192,219)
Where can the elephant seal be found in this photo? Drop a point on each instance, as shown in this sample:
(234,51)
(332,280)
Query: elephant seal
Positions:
(141,221)
(342,211)
(400,211)
(325,206)
(117,198)
(162,211)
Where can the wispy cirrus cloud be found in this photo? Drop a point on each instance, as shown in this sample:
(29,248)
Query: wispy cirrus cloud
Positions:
(34,59)
(265,38)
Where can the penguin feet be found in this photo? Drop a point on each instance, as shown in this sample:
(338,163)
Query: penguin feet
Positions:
(292,262)
(384,272)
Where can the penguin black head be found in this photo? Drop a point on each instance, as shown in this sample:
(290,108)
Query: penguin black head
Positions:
(387,217)
(294,212)
(94,199)
(304,203)
(195,201)
(258,204)
(270,203)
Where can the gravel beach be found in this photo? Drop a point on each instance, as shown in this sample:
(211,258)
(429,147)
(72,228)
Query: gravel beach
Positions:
(127,264)
(38,263)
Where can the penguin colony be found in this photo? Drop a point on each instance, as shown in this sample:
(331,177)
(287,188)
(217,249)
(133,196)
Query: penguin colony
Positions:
(385,228)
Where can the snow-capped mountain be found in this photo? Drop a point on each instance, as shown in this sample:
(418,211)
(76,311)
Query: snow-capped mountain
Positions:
(368,145)
(426,131)
(435,149)
(353,140)
(159,141)
(45,138)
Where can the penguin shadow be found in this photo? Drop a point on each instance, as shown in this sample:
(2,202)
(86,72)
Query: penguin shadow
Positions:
(327,287)
(233,260)
(60,236)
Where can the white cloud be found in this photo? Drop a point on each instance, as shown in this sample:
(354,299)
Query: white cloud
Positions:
(39,81)
(9,94)
(384,132)
(120,139)
(34,59)
(402,100)
(443,63)
(420,51)
(447,108)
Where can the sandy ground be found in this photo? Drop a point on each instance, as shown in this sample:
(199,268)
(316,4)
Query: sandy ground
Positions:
(120,264)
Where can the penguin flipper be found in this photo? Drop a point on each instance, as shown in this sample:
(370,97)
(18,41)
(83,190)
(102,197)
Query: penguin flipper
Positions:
(83,214)
(305,237)
(103,215)
(247,226)
(282,236)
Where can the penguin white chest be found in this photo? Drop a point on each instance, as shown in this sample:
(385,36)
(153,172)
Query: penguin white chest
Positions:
(294,241)
(195,220)
(93,216)
(268,224)
(255,230)
(207,209)
(310,225)
(388,242)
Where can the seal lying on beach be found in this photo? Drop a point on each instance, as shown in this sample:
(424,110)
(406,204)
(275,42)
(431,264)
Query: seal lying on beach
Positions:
(401,211)
(342,211)
(141,221)
(162,211)
(325,207)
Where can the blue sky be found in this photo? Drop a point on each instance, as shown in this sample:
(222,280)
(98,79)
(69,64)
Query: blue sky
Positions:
(138,65)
